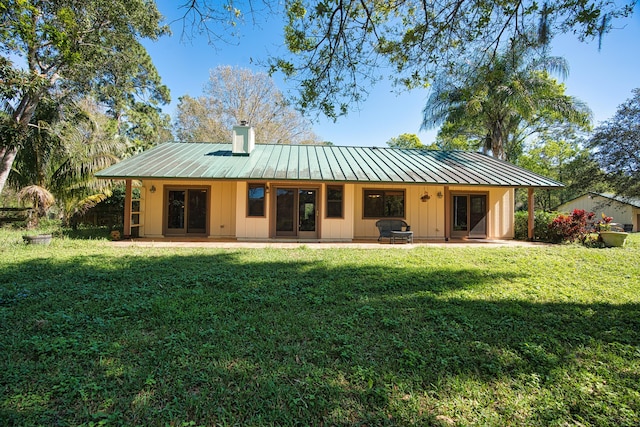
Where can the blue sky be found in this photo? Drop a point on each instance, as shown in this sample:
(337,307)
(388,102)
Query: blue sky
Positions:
(601,78)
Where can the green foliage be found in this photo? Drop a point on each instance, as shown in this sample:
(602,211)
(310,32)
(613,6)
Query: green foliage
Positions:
(406,140)
(558,153)
(75,48)
(497,106)
(616,144)
(65,146)
(98,334)
(337,49)
(541,231)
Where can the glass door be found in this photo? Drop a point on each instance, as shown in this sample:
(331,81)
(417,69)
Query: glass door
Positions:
(186,211)
(296,213)
(478,216)
(197,212)
(285,212)
(307,214)
(469,215)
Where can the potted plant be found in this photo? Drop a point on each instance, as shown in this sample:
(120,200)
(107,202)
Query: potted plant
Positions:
(37,239)
(611,235)
(41,200)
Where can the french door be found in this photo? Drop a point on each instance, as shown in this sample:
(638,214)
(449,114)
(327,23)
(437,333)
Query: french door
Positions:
(469,216)
(186,211)
(296,213)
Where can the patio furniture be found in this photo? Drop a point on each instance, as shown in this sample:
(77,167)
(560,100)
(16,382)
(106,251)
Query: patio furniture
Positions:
(394,229)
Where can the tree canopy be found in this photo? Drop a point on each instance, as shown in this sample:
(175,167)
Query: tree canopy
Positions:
(237,94)
(337,48)
(405,140)
(74,48)
(616,147)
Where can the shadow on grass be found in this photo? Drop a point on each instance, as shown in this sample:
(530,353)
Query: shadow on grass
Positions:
(218,339)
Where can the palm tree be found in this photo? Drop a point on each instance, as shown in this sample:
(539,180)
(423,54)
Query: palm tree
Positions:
(498,104)
(66,144)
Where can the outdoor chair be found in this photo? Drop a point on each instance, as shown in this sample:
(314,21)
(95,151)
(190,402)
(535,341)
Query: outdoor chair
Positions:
(394,229)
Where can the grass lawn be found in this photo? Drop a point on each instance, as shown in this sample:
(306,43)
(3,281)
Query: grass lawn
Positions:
(94,335)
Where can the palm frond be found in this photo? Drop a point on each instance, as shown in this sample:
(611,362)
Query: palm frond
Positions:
(39,196)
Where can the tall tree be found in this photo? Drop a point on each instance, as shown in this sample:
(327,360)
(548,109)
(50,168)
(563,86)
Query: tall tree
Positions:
(74,48)
(503,102)
(236,94)
(616,147)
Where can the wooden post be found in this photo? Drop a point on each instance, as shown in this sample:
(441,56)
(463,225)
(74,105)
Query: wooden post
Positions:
(531,221)
(447,214)
(127,210)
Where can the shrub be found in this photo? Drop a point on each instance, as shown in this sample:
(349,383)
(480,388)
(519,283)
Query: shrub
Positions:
(541,224)
(577,226)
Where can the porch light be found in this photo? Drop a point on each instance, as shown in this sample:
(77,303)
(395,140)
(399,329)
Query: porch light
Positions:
(440,194)
(152,189)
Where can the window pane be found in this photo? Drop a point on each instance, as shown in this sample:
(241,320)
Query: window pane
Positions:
(373,203)
(394,203)
(197,214)
(256,200)
(380,204)
(175,210)
(285,212)
(459,213)
(334,201)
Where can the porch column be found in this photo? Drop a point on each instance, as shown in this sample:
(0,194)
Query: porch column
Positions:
(530,208)
(447,214)
(127,210)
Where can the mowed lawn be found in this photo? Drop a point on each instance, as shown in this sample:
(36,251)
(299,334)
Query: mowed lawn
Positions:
(94,335)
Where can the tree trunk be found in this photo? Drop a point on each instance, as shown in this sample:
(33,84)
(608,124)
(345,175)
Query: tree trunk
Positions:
(21,118)
(8,155)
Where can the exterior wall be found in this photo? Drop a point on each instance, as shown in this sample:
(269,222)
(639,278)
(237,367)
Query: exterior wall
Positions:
(228,210)
(621,213)
(337,228)
(425,218)
(222,210)
(500,209)
(250,227)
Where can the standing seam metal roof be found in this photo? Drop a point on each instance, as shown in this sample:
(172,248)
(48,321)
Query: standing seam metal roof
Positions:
(324,163)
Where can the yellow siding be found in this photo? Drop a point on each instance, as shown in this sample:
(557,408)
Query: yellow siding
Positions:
(222,216)
(425,218)
(250,227)
(500,208)
(152,210)
(223,210)
(337,228)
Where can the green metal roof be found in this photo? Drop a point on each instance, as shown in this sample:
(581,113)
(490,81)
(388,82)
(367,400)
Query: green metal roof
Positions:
(324,163)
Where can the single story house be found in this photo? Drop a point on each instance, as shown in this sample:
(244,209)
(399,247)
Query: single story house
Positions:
(623,210)
(248,191)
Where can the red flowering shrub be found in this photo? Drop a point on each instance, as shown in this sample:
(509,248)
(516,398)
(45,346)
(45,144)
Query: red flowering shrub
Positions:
(575,226)
(604,224)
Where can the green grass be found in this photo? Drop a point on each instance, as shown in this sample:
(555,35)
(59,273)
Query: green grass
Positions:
(94,335)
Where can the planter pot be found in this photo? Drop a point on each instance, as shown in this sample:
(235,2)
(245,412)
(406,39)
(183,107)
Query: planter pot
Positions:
(40,239)
(613,239)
